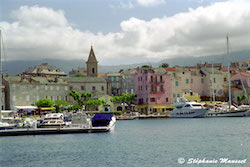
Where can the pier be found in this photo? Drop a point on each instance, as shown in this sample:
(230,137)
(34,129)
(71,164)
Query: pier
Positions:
(47,131)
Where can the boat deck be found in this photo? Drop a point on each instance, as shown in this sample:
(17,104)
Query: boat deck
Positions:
(47,131)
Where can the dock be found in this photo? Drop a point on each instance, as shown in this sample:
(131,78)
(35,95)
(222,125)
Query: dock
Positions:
(152,116)
(48,131)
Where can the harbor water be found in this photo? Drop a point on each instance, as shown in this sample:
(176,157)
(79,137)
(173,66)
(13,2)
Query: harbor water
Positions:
(149,142)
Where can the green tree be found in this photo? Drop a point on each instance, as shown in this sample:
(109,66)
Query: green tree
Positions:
(241,98)
(81,99)
(79,75)
(44,103)
(60,105)
(76,97)
(125,98)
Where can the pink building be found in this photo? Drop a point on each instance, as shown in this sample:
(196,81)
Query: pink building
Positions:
(153,88)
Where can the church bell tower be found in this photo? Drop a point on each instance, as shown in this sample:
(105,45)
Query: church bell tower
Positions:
(92,64)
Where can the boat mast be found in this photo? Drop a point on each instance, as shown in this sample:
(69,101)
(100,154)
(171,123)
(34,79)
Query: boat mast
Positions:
(213,82)
(0,74)
(228,70)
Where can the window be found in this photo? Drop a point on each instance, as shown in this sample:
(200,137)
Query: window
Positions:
(117,79)
(187,80)
(57,87)
(138,79)
(139,88)
(161,79)
(66,88)
(102,88)
(152,99)
(161,88)
(214,80)
(152,88)
(93,87)
(93,70)
(191,80)
(225,79)
(66,98)
(174,95)
(152,79)
(51,87)
(117,85)
(146,78)
(166,99)
(202,80)
(176,83)
(112,79)
(178,95)
(46,87)
(146,88)
(82,87)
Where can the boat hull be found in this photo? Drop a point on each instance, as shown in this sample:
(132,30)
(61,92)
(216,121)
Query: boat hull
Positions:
(188,113)
(242,113)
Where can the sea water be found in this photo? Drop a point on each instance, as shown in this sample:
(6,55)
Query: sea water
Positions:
(148,142)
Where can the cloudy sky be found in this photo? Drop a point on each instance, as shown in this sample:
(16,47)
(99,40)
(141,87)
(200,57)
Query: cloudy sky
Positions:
(122,31)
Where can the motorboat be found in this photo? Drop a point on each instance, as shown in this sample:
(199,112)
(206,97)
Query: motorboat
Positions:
(7,119)
(53,120)
(103,120)
(188,109)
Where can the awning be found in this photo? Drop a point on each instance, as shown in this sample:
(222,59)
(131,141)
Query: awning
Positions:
(25,107)
(48,108)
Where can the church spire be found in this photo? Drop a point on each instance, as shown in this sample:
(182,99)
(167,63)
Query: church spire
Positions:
(92,67)
(92,57)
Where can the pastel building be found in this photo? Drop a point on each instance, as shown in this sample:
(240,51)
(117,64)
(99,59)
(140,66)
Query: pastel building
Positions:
(240,83)
(153,89)
(205,81)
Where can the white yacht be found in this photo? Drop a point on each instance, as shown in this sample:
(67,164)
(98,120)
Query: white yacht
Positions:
(7,119)
(53,120)
(188,109)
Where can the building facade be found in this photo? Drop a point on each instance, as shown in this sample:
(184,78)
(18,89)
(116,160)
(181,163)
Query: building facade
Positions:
(153,89)
(25,91)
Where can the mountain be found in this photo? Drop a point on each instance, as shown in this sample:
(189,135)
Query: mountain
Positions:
(15,67)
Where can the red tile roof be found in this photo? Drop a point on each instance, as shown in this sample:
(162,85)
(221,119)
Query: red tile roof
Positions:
(169,68)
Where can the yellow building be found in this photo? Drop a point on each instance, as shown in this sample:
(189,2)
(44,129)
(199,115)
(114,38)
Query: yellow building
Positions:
(109,106)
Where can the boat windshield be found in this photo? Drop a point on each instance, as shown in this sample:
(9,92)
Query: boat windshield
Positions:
(196,105)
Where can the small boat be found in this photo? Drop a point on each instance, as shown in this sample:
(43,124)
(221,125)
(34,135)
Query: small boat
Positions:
(188,109)
(103,120)
(4,126)
(53,120)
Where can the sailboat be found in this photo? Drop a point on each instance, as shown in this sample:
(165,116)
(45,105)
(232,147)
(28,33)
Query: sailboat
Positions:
(3,125)
(229,110)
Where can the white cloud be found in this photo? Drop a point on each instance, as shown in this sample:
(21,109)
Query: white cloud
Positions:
(149,3)
(123,5)
(40,32)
